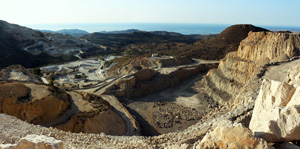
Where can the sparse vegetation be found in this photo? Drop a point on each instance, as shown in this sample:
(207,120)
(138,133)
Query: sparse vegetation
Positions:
(37,71)
(51,82)
(80,76)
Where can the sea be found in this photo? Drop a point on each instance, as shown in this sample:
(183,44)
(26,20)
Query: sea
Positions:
(170,27)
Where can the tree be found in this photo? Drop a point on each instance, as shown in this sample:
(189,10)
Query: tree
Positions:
(51,82)
(37,71)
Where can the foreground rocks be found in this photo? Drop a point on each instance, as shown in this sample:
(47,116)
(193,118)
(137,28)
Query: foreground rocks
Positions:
(276,115)
(108,122)
(33,103)
(35,142)
(226,134)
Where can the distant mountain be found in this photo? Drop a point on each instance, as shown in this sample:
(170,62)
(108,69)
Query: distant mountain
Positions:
(121,32)
(163,33)
(162,42)
(72,32)
(116,41)
(31,48)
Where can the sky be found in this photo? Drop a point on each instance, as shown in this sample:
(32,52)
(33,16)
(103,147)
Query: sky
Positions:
(258,12)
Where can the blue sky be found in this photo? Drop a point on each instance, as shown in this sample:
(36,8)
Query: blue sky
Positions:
(258,12)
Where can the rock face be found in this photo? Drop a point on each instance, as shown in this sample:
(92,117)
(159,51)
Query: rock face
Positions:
(170,62)
(108,122)
(37,104)
(293,76)
(147,81)
(276,115)
(19,73)
(237,68)
(226,82)
(226,134)
(269,44)
(35,142)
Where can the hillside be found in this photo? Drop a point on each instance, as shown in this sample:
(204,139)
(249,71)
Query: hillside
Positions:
(218,46)
(72,32)
(30,48)
(121,39)
(212,47)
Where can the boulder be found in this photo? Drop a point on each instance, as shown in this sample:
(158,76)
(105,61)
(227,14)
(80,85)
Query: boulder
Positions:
(32,102)
(293,76)
(276,114)
(226,134)
(35,142)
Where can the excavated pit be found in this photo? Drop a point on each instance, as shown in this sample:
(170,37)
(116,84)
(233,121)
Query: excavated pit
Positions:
(50,106)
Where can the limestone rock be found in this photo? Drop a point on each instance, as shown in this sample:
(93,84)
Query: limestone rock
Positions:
(108,122)
(33,103)
(269,45)
(293,76)
(226,134)
(276,114)
(35,142)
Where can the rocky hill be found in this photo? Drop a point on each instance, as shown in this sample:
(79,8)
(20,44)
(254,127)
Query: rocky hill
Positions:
(116,41)
(211,47)
(30,48)
(72,32)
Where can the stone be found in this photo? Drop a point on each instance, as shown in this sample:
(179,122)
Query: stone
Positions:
(293,76)
(34,141)
(33,103)
(272,45)
(276,114)
(227,134)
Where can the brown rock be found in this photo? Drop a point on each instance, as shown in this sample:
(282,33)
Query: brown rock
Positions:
(269,44)
(145,74)
(108,122)
(34,106)
(226,134)
(34,141)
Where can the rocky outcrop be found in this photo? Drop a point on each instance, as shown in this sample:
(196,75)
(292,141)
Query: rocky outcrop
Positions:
(148,81)
(226,82)
(293,76)
(171,62)
(270,45)
(237,68)
(18,73)
(35,142)
(276,115)
(108,122)
(37,104)
(226,134)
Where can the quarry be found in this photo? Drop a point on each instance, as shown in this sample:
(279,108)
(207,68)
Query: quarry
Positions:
(247,99)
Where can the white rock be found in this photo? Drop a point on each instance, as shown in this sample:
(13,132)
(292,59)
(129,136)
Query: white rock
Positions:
(226,134)
(276,115)
(40,142)
(7,146)
(293,76)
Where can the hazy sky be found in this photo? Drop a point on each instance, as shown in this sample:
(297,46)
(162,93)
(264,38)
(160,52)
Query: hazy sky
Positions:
(259,12)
